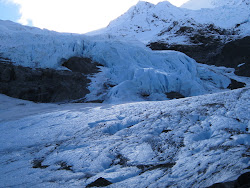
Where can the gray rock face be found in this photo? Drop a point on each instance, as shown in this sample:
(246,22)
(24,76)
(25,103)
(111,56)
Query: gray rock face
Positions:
(213,46)
(235,54)
(100,182)
(82,65)
(243,181)
(45,85)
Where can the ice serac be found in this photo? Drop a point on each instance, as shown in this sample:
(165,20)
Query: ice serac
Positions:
(137,73)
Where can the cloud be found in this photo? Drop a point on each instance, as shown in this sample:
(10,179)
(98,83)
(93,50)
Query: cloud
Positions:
(77,16)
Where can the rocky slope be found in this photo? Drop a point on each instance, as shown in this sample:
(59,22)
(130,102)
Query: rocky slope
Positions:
(47,85)
(243,181)
(209,50)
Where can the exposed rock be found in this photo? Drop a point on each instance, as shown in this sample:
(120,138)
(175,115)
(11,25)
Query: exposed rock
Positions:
(213,46)
(100,182)
(64,166)
(82,65)
(145,168)
(174,95)
(234,54)
(235,84)
(166,130)
(243,181)
(46,85)
(37,163)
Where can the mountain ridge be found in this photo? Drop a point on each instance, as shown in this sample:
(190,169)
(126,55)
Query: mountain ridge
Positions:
(145,17)
(199,4)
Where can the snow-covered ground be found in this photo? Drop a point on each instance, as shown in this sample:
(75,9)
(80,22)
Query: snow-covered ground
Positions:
(191,142)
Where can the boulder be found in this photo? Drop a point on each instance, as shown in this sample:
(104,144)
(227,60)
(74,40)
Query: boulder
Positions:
(100,182)
(243,181)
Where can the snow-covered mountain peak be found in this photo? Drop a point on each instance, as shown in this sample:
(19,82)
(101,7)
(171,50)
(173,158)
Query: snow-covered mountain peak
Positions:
(199,4)
(147,22)
(143,4)
(143,11)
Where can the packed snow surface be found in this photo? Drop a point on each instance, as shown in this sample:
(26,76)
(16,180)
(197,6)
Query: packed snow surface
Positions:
(191,142)
(131,72)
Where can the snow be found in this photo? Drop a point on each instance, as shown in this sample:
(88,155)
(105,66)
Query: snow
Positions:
(131,72)
(241,64)
(191,142)
(199,4)
(146,22)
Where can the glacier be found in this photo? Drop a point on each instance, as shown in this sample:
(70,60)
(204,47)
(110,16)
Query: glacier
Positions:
(131,72)
(136,137)
(191,142)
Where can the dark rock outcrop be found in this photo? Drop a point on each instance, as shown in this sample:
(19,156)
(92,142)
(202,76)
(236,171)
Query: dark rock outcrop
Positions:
(37,163)
(82,65)
(46,85)
(235,84)
(243,181)
(174,95)
(100,182)
(235,54)
(213,46)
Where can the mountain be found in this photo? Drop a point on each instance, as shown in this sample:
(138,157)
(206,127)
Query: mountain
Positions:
(199,4)
(201,34)
(119,109)
(146,21)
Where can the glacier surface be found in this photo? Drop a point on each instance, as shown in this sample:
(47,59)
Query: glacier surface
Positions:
(131,71)
(192,142)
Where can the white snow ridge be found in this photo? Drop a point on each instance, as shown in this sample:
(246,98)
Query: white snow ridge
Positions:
(137,137)
(146,21)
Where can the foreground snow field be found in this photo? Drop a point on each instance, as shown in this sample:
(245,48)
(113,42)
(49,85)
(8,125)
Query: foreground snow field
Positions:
(191,142)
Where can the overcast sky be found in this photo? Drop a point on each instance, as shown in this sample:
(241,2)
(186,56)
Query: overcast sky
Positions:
(76,16)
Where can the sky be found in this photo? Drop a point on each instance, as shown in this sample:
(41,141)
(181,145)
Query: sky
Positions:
(74,16)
